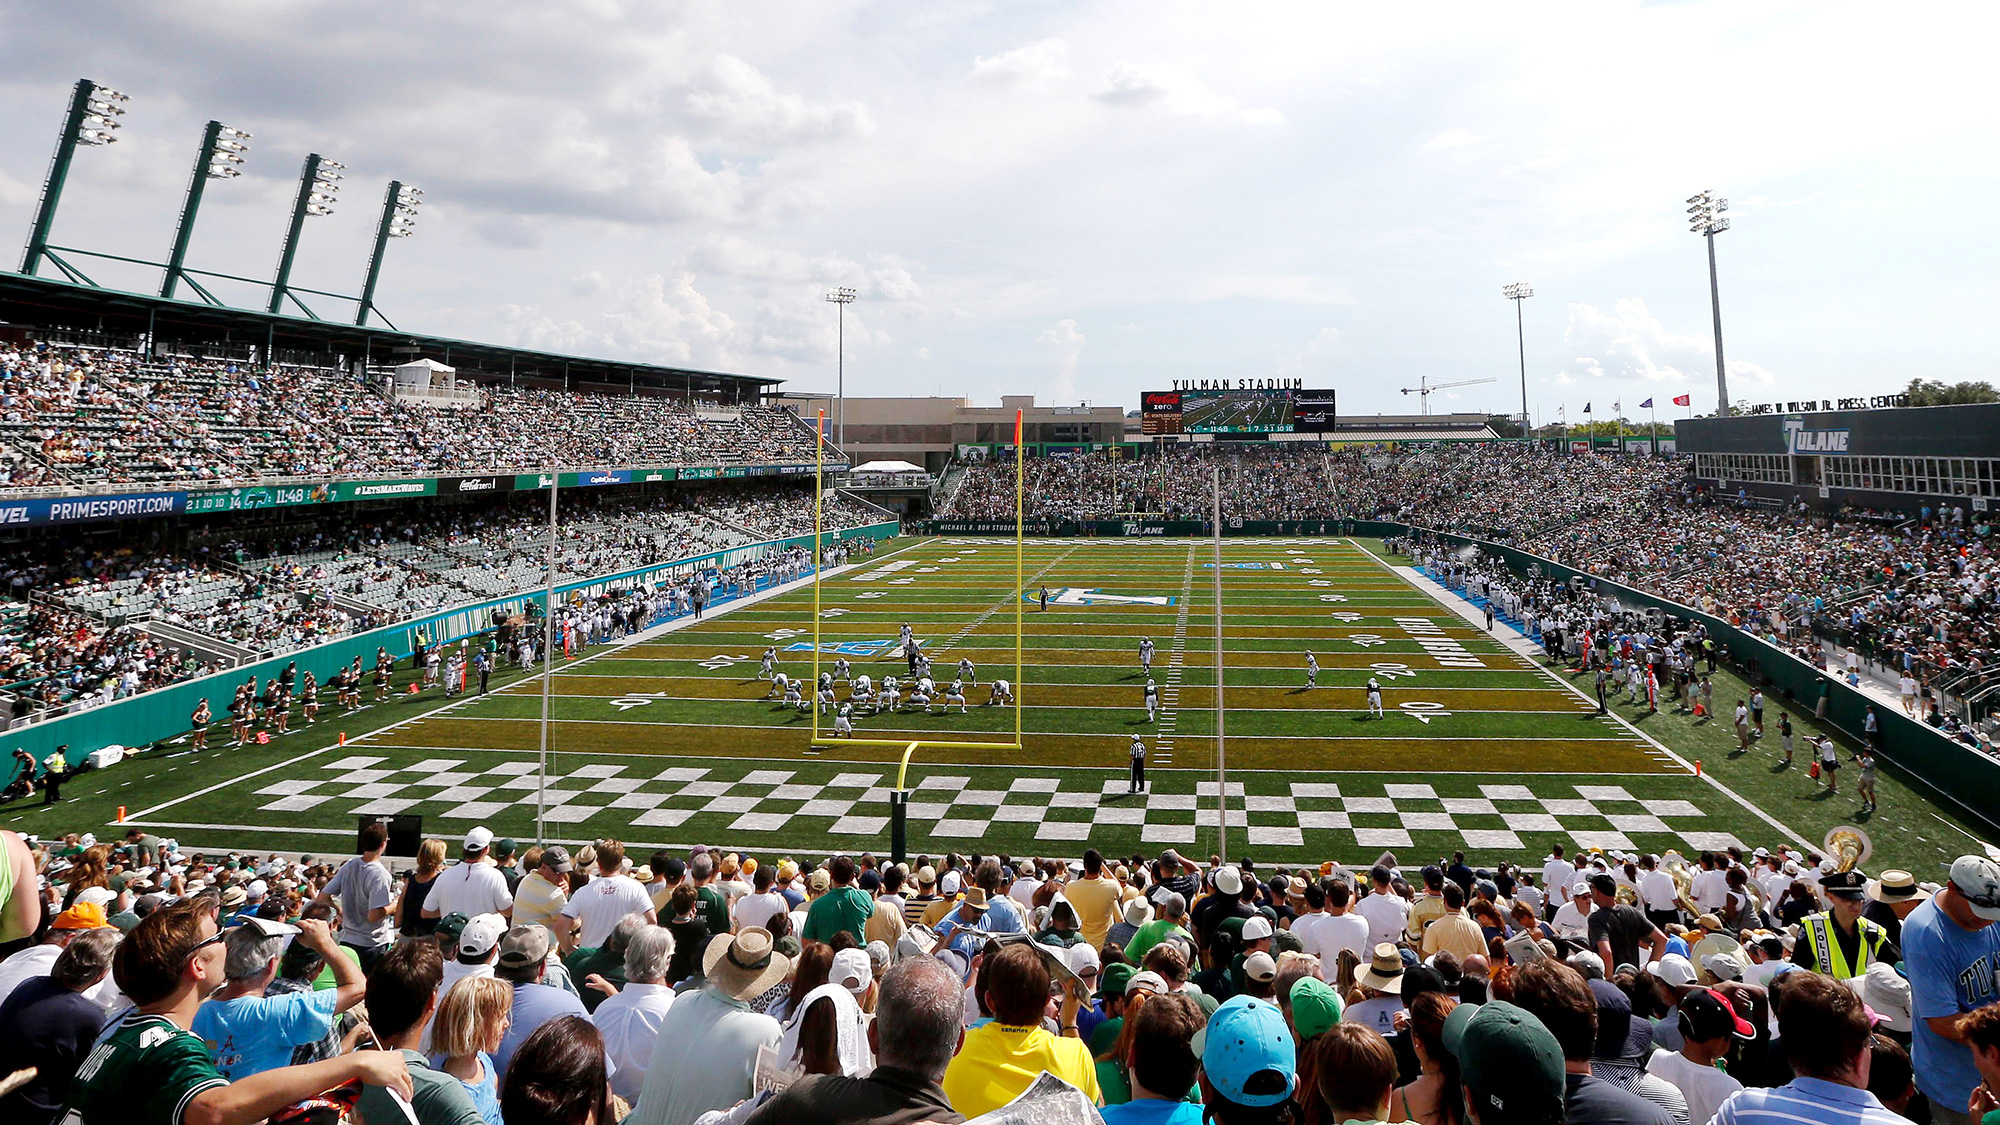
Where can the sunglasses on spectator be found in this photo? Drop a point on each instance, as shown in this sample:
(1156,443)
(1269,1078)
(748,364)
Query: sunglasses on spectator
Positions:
(213,939)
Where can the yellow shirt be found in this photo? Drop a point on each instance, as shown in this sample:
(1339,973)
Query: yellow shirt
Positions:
(538,902)
(1454,932)
(886,925)
(1096,902)
(997,1063)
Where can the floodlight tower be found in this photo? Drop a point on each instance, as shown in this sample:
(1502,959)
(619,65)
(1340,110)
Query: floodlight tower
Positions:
(222,150)
(319,187)
(92,120)
(1705,218)
(841,296)
(399,220)
(1518,292)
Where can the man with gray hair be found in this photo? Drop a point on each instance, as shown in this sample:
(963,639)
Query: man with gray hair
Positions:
(919,1024)
(49,1023)
(250,1032)
(629,1019)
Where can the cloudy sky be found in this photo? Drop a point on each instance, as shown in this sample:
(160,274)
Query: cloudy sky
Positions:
(1083,200)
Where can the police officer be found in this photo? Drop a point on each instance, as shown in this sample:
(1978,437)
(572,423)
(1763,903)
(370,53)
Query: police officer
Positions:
(55,767)
(1839,941)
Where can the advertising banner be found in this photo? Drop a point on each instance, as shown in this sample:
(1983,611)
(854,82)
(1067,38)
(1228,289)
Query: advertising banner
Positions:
(645,476)
(602,476)
(383,489)
(735,471)
(532,482)
(705,472)
(461,486)
(86,509)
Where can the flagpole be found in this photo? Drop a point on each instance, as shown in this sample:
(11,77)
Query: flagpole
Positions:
(1653,413)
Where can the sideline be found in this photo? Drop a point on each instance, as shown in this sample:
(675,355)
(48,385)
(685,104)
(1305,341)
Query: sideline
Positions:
(1528,650)
(446,708)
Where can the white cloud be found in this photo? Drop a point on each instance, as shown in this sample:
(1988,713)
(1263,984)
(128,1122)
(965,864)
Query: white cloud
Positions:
(1452,138)
(1130,84)
(1063,344)
(1630,343)
(1042,62)
(745,106)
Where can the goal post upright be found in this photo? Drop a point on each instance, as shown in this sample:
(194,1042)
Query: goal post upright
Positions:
(819,499)
(1021,593)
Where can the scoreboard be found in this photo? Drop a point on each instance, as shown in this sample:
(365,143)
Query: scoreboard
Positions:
(1237,412)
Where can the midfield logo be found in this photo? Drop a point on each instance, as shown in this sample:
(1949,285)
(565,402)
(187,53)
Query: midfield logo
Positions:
(1074,595)
(850,648)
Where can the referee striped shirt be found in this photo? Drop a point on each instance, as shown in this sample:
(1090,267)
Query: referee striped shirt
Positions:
(1806,1101)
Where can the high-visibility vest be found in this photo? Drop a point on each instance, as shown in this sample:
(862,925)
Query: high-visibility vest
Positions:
(1826,952)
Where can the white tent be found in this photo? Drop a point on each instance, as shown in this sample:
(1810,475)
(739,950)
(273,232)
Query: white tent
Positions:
(422,375)
(888,467)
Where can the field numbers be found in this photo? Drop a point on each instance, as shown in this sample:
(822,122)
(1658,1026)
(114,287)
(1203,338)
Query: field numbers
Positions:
(1333,597)
(784,634)
(836,612)
(722,660)
(866,595)
(1320,582)
(1390,671)
(1424,712)
(1310,569)
(1368,640)
(1346,615)
(637,699)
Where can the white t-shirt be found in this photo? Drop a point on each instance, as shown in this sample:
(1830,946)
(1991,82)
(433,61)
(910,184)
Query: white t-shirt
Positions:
(1338,932)
(1557,876)
(754,910)
(602,903)
(1706,1088)
(1710,889)
(1378,1014)
(470,889)
(1386,915)
(1571,922)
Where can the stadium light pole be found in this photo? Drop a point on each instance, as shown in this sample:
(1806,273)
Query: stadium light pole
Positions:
(319,188)
(399,220)
(841,296)
(1518,292)
(1706,218)
(222,150)
(92,120)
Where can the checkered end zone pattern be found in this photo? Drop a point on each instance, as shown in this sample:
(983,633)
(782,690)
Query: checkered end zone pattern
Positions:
(856,804)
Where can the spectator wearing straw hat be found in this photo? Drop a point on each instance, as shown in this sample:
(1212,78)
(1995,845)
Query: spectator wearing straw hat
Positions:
(705,1052)
(1891,898)
(1382,986)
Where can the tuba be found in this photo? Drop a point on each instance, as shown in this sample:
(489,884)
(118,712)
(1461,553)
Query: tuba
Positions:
(1848,846)
(1676,866)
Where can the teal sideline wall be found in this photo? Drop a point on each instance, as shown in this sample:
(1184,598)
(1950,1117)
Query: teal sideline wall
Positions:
(147,718)
(1962,775)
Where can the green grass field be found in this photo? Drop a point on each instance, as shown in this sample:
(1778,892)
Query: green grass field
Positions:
(669,741)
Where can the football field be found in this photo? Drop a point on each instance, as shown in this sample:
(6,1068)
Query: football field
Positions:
(671,740)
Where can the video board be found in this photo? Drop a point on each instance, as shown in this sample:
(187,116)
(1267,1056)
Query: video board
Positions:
(1236,412)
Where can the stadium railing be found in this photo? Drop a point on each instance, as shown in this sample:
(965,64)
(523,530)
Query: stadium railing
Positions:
(153,716)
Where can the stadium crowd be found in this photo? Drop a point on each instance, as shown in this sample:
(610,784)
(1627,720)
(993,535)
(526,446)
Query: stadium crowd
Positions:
(72,415)
(74,628)
(539,985)
(1910,592)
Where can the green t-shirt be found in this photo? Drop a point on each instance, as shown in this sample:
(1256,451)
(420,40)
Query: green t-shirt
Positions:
(583,962)
(325,980)
(842,908)
(145,1073)
(716,905)
(438,1098)
(1150,935)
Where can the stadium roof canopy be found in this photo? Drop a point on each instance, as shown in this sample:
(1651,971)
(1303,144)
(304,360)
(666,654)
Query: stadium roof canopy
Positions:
(42,302)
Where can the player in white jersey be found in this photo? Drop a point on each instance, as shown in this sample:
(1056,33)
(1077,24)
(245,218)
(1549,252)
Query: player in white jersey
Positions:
(841,671)
(842,724)
(1312,670)
(860,689)
(1146,655)
(1003,692)
(826,681)
(827,700)
(892,693)
(1374,698)
(769,665)
(967,672)
(921,696)
(1152,700)
(778,683)
(956,694)
(793,697)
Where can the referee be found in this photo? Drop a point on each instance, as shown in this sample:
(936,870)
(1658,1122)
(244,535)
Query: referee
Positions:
(1138,765)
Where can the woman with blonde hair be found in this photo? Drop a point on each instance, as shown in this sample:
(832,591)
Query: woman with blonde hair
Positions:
(470,1024)
(87,871)
(1346,968)
(409,911)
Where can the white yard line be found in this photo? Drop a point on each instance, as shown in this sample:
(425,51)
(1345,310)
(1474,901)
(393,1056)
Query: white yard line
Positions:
(1527,650)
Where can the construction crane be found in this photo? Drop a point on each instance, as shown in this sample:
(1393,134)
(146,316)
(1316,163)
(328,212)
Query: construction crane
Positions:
(1424,389)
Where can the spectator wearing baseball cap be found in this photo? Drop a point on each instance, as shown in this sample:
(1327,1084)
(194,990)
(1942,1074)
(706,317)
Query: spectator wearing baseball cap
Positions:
(478,946)
(472,886)
(1000,1059)
(1616,930)
(1510,1067)
(543,892)
(524,959)
(36,960)
(1950,950)
(1823,1029)
(1249,1062)
(1624,1044)
(1561,1000)
(1708,1026)
(251,1032)
(1673,976)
